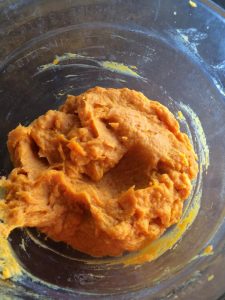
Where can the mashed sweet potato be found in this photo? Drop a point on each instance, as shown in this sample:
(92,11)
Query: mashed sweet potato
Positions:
(106,173)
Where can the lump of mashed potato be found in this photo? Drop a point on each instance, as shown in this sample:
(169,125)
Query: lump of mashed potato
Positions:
(106,173)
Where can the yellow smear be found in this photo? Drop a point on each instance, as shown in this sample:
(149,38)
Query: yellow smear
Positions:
(192,4)
(67,56)
(9,267)
(180,115)
(211,277)
(119,68)
(58,59)
(46,67)
(208,250)
(55,61)
(109,65)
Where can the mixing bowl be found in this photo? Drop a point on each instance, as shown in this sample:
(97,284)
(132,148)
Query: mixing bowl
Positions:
(172,52)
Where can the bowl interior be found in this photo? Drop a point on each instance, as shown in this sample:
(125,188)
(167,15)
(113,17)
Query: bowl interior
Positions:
(167,63)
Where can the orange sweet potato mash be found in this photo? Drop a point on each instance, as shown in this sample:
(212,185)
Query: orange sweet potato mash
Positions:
(106,173)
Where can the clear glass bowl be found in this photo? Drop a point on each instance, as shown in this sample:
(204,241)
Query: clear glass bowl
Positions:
(171,52)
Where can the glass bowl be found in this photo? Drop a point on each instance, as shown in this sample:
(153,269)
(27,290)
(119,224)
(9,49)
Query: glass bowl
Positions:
(173,53)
